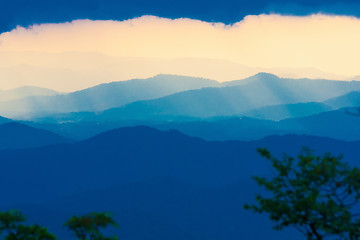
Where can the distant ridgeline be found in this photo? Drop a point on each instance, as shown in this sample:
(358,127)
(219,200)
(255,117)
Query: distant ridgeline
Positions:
(246,109)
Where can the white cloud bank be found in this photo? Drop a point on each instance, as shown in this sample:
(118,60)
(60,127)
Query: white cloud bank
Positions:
(84,52)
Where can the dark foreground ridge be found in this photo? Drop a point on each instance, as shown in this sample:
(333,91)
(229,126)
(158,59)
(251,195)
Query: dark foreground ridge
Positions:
(14,135)
(160,184)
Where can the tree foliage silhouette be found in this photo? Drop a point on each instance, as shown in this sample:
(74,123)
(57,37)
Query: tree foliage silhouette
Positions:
(88,227)
(318,195)
(13,227)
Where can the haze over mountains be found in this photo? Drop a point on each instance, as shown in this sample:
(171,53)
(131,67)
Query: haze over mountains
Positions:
(183,174)
(168,96)
(258,91)
(103,96)
(247,109)
(23,92)
(74,71)
(339,124)
(154,111)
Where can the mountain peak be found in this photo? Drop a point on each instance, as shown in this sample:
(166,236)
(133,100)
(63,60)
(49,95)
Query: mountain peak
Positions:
(180,77)
(162,75)
(263,76)
(25,91)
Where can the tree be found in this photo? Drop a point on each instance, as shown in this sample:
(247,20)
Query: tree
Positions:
(318,195)
(12,224)
(88,227)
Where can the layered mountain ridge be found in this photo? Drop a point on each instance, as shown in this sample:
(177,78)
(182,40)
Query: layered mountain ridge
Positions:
(161,181)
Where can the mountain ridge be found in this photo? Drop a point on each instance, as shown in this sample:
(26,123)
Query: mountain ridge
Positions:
(231,98)
(141,169)
(15,135)
(25,91)
(104,96)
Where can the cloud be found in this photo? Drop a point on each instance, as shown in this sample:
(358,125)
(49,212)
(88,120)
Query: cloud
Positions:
(328,43)
(26,13)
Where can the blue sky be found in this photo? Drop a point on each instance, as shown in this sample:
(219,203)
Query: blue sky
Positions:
(25,12)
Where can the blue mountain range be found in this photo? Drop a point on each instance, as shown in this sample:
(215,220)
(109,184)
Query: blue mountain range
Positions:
(172,157)
(165,183)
